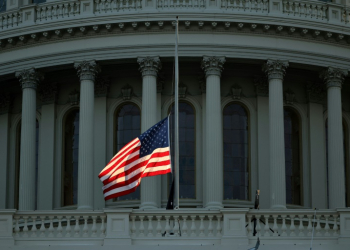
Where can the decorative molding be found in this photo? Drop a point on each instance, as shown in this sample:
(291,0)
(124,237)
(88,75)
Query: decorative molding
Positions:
(48,92)
(261,86)
(182,90)
(101,86)
(87,70)
(333,77)
(315,92)
(74,97)
(5,102)
(275,69)
(236,92)
(213,65)
(29,78)
(289,97)
(149,66)
(127,92)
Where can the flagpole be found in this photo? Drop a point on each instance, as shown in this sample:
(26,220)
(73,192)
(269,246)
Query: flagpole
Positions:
(176,115)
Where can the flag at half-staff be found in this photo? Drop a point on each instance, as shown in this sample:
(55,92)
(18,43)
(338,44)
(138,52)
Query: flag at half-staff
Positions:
(146,155)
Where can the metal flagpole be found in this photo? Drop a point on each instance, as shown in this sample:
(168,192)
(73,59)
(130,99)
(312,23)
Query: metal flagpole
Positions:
(176,114)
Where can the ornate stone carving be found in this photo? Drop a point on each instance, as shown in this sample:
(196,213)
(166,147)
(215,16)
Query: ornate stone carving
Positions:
(261,86)
(236,92)
(213,65)
(87,70)
(182,90)
(202,83)
(127,92)
(275,69)
(74,97)
(101,86)
(289,96)
(29,78)
(5,102)
(333,77)
(48,92)
(149,65)
(315,92)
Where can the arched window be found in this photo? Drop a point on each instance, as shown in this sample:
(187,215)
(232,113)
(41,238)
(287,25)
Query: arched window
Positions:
(346,162)
(292,146)
(18,159)
(187,150)
(127,126)
(70,158)
(236,152)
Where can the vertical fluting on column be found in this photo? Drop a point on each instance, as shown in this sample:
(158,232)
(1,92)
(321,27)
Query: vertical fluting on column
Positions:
(275,71)
(149,67)
(334,79)
(212,67)
(29,80)
(87,72)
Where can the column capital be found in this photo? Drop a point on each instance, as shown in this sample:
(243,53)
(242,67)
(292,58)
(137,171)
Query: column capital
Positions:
(87,70)
(149,66)
(213,65)
(333,77)
(29,78)
(275,69)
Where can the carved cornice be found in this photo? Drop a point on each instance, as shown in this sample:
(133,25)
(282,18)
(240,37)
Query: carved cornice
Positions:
(261,86)
(213,65)
(101,86)
(5,102)
(275,69)
(315,92)
(334,77)
(29,78)
(48,92)
(149,66)
(87,70)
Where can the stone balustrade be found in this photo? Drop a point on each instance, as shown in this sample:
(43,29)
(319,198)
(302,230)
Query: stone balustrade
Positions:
(159,226)
(58,11)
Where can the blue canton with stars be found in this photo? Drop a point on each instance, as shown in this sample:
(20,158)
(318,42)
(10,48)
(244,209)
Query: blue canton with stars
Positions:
(155,137)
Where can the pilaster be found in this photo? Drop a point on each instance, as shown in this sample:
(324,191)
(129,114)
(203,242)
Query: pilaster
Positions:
(212,67)
(29,79)
(275,71)
(334,79)
(149,67)
(48,93)
(87,72)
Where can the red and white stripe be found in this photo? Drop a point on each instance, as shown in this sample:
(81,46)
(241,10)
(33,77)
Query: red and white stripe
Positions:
(123,173)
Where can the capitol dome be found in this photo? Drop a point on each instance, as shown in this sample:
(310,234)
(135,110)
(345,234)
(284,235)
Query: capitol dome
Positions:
(263,105)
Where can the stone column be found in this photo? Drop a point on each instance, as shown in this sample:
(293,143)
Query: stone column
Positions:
(334,79)
(212,67)
(48,94)
(87,71)
(275,71)
(4,146)
(29,79)
(149,67)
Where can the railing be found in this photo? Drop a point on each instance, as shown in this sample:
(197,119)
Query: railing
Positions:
(190,226)
(310,10)
(260,6)
(53,11)
(294,224)
(59,225)
(306,9)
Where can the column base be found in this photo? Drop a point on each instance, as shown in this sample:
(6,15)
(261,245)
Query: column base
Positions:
(277,207)
(148,205)
(214,205)
(85,207)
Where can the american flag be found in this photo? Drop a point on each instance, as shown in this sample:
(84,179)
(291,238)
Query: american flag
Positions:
(146,155)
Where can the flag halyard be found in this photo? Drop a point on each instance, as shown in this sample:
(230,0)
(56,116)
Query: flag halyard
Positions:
(146,155)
